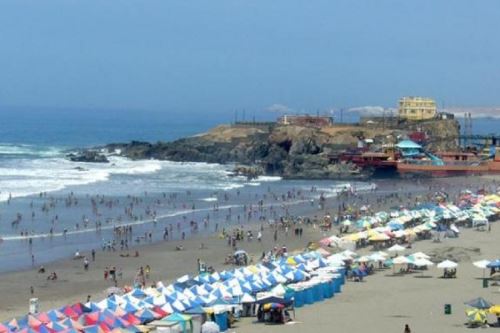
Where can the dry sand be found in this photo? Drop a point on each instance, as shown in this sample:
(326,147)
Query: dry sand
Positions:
(380,304)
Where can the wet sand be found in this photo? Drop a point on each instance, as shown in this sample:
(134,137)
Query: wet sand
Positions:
(381,303)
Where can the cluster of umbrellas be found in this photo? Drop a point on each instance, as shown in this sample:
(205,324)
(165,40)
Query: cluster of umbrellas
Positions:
(418,259)
(383,226)
(216,293)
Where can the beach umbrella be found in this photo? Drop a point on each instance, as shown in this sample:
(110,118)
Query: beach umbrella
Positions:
(396,248)
(446,264)
(362,259)
(476,316)
(377,257)
(495,309)
(401,260)
(479,303)
(483,264)
(494,264)
(422,262)
(420,255)
(379,237)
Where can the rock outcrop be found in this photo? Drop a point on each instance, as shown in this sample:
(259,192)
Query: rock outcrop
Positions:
(287,151)
(89,156)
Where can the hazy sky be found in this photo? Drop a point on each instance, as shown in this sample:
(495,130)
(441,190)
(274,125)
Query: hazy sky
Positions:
(222,55)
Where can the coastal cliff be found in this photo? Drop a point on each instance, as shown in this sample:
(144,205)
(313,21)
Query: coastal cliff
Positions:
(289,151)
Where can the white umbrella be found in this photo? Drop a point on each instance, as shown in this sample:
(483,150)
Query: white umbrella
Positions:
(401,260)
(422,262)
(481,263)
(377,257)
(363,259)
(420,255)
(447,264)
(349,253)
(396,248)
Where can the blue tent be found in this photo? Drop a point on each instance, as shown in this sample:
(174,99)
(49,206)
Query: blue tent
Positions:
(182,320)
(196,310)
(138,293)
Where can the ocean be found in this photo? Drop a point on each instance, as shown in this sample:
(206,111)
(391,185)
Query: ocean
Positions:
(51,207)
(82,203)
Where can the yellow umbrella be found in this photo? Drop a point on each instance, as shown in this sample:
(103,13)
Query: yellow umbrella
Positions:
(291,261)
(379,237)
(495,309)
(476,315)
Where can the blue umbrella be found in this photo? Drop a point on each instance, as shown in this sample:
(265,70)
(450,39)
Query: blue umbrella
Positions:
(494,264)
(479,303)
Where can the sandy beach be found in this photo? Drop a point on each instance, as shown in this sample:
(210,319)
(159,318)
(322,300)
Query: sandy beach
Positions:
(381,303)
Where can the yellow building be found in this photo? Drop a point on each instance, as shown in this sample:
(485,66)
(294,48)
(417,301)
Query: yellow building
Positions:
(417,108)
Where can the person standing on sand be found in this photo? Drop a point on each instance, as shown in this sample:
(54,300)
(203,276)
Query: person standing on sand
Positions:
(407,329)
(93,255)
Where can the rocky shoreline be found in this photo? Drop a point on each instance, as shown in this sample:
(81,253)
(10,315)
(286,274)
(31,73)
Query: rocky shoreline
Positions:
(293,152)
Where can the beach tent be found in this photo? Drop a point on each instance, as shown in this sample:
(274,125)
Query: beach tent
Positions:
(479,303)
(270,299)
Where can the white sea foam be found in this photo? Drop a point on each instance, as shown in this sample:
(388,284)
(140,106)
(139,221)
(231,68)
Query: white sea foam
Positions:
(211,199)
(24,177)
(23,149)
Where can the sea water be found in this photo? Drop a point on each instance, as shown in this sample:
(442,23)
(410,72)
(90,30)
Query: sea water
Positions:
(34,171)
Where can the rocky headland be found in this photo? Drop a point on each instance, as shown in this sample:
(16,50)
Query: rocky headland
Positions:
(289,151)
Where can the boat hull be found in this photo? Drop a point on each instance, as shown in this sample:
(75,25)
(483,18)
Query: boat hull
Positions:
(449,169)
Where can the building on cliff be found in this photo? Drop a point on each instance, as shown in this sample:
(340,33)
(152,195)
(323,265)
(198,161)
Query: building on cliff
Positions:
(417,108)
(306,120)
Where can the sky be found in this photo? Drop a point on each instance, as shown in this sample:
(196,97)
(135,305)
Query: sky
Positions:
(199,57)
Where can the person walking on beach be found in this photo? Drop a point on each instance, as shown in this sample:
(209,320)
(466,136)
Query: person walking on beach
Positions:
(85,264)
(407,329)
(93,255)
